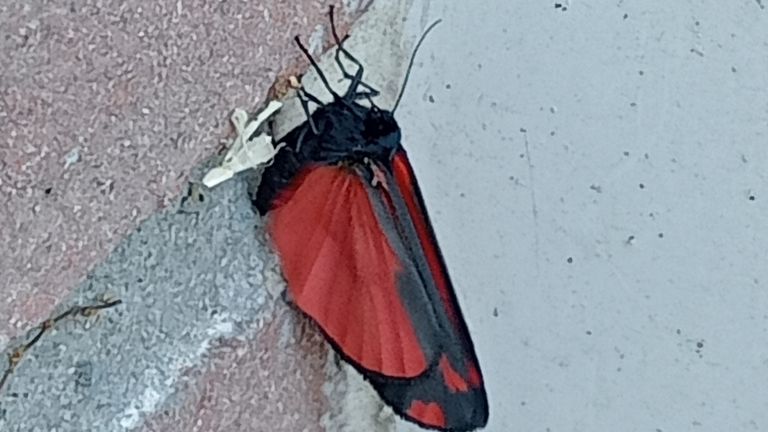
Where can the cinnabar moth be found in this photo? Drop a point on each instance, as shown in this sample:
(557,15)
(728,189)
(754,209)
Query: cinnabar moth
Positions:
(358,252)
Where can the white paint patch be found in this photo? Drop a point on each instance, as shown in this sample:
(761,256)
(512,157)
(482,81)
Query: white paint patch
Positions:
(145,404)
(221,329)
(150,399)
(316,40)
(72,157)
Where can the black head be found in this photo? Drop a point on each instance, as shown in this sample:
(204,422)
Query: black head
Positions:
(344,131)
(367,132)
(381,129)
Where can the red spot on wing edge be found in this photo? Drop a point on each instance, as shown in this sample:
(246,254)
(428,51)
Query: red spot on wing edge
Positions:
(428,413)
(475,379)
(453,380)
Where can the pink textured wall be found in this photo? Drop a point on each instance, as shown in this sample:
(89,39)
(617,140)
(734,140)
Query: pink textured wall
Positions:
(141,91)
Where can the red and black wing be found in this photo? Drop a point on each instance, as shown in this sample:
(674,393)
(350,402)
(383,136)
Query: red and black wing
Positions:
(363,262)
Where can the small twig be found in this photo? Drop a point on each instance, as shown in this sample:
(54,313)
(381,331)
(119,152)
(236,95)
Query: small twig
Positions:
(15,357)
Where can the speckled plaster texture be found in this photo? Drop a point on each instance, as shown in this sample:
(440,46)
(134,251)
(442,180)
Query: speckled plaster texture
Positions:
(104,108)
(596,177)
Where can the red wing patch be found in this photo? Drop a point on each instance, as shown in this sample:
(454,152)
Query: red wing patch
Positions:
(452,379)
(440,399)
(342,270)
(428,413)
(362,260)
(475,379)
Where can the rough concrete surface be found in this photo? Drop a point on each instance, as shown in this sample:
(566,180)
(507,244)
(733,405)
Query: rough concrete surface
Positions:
(187,277)
(201,341)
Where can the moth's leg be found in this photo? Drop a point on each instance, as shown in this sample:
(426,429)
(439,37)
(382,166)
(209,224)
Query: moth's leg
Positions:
(312,98)
(366,95)
(357,78)
(317,69)
(286,297)
(305,98)
(300,139)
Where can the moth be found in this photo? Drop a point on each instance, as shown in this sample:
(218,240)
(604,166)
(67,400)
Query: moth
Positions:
(347,218)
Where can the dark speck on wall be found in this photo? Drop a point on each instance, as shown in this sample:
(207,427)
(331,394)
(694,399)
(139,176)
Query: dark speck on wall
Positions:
(570,260)
(626,153)
(431,99)
(589,332)
(447,86)
(699,347)
(751,197)
(625,16)
(642,186)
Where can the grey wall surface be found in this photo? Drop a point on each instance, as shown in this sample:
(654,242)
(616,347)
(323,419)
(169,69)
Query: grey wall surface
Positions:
(597,181)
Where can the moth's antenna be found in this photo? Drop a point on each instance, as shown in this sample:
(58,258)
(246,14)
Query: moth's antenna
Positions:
(333,27)
(413,58)
(316,67)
